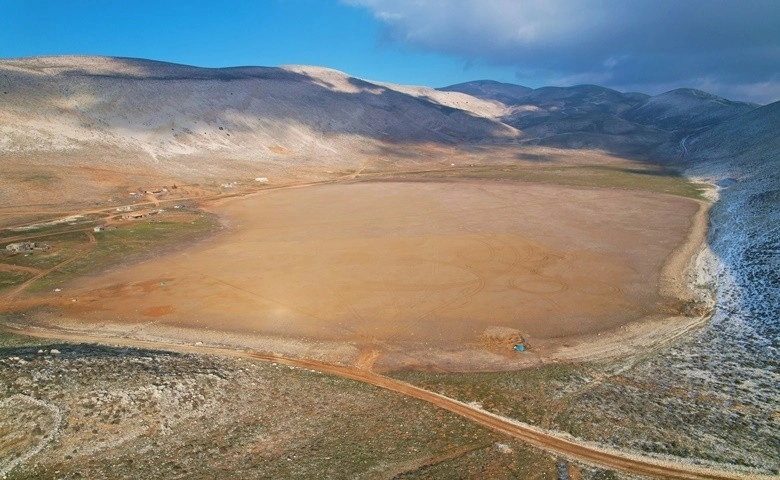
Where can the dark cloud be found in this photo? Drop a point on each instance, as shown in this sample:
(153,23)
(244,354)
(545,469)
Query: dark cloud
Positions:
(731,47)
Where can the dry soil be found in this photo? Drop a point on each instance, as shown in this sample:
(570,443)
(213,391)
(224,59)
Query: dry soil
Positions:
(394,266)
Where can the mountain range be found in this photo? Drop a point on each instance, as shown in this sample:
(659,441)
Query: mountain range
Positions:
(143,118)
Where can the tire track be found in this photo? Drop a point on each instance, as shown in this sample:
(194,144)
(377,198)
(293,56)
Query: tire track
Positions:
(20,288)
(7,467)
(514,253)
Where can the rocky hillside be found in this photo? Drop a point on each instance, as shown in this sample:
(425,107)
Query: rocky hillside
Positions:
(177,119)
(506,93)
(164,114)
(686,110)
(87,128)
(733,359)
(742,156)
(589,116)
(751,139)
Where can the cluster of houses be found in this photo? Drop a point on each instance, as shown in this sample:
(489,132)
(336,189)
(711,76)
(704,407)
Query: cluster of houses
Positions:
(26,247)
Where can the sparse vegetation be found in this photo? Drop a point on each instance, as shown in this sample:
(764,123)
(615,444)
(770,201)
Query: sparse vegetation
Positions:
(669,414)
(10,278)
(8,339)
(40,177)
(127,413)
(650,179)
(527,395)
(128,243)
(655,409)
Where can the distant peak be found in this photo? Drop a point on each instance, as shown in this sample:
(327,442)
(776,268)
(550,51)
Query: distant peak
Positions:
(691,92)
(485,83)
(507,93)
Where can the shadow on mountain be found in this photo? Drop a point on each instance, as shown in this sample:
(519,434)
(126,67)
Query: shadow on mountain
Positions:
(742,156)
(686,110)
(165,110)
(632,125)
(139,96)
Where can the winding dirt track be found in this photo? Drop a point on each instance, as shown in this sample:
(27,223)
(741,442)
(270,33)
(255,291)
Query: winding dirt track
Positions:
(92,241)
(544,440)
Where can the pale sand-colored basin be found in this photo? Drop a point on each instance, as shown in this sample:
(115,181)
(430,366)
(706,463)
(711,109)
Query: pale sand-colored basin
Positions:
(434,262)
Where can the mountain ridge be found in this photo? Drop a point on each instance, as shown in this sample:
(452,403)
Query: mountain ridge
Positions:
(145,115)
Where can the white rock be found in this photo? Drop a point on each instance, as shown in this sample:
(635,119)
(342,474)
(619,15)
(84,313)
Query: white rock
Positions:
(503,448)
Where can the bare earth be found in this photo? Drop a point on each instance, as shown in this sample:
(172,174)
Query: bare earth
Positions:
(390,269)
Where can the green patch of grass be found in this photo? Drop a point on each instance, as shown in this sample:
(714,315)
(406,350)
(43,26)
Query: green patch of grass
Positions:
(42,260)
(45,232)
(11,278)
(64,246)
(128,243)
(39,177)
(648,179)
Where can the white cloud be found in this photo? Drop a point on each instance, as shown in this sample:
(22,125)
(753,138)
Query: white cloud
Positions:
(651,42)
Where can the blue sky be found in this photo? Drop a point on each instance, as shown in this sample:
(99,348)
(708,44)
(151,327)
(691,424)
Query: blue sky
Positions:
(727,47)
(229,33)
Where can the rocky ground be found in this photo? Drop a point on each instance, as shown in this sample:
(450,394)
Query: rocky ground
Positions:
(84,411)
(714,396)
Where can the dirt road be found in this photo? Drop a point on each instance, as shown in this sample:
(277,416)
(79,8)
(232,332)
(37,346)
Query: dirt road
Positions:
(545,440)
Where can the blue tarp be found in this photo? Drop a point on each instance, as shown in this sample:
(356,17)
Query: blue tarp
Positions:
(520,347)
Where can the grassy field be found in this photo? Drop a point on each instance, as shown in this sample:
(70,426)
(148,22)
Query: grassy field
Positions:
(12,278)
(72,254)
(128,243)
(66,245)
(649,179)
